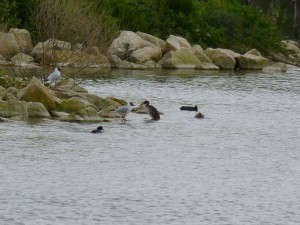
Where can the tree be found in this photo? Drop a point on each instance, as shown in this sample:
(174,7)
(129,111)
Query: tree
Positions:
(296,17)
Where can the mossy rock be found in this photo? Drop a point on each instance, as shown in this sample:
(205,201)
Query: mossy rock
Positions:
(37,110)
(74,104)
(10,109)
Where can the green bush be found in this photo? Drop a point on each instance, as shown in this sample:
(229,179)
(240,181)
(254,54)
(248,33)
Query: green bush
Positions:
(9,14)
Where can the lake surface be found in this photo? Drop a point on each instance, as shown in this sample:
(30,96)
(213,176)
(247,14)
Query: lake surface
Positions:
(238,165)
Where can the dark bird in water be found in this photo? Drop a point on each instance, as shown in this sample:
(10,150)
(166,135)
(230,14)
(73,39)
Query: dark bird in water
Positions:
(98,130)
(124,110)
(199,115)
(189,108)
(151,110)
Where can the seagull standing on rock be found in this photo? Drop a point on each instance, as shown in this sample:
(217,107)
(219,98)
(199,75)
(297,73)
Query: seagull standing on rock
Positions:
(54,76)
(124,110)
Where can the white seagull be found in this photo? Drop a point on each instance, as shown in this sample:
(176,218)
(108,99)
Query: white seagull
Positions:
(54,76)
(124,110)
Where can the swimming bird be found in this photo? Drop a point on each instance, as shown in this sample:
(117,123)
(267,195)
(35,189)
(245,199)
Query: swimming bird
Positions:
(124,110)
(98,130)
(151,110)
(189,108)
(54,76)
(199,115)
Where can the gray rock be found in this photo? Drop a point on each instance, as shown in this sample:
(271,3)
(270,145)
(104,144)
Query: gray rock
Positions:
(9,45)
(10,109)
(37,110)
(35,91)
(23,38)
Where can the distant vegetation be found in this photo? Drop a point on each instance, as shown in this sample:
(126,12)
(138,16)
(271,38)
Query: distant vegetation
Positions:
(213,23)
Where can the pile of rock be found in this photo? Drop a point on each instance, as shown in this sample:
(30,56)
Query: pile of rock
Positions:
(16,49)
(176,52)
(134,50)
(67,102)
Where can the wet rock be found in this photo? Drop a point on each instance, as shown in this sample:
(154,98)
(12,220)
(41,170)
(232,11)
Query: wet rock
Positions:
(35,91)
(101,103)
(252,62)
(10,109)
(181,58)
(74,104)
(37,110)
(220,58)
(275,68)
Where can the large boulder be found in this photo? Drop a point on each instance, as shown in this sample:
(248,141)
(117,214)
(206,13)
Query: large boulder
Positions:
(275,68)
(220,58)
(37,110)
(291,47)
(24,60)
(132,48)
(13,109)
(184,58)
(74,104)
(175,42)
(70,84)
(154,40)
(252,62)
(35,91)
(51,44)
(101,103)
(23,38)
(9,45)
(199,53)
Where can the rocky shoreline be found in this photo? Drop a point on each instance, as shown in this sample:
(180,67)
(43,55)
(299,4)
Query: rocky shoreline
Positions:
(69,102)
(136,50)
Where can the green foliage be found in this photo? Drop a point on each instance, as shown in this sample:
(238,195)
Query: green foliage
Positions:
(9,14)
(232,25)
(214,23)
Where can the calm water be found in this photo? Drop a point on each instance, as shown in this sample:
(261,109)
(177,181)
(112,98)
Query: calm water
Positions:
(239,165)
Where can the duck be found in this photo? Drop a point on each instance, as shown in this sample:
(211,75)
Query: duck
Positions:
(199,115)
(189,108)
(98,130)
(124,110)
(151,110)
(53,77)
